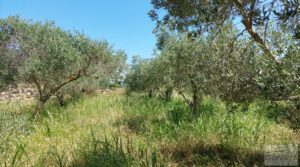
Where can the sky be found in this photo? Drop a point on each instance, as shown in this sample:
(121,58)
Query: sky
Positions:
(123,23)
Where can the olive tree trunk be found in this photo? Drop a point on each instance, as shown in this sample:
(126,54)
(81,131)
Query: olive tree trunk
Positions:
(40,105)
(194,105)
(150,93)
(195,102)
(60,98)
(168,94)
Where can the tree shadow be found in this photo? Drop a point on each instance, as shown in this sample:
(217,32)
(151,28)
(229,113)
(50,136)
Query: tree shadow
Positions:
(114,152)
(216,155)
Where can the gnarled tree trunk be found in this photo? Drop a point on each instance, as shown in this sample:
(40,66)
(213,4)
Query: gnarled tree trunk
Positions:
(40,105)
(44,96)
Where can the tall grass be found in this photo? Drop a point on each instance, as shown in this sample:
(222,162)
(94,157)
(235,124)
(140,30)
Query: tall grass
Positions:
(242,132)
(119,130)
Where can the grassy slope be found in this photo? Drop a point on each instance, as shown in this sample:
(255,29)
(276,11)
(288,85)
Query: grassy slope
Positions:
(115,130)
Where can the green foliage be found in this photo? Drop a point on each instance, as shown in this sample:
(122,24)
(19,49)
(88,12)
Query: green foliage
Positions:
(52,58)
(135,79)
(197,17)
(235,71)
(142,75)
(8,63)
(152,75)
(282,84)
(204,65)
(223,62)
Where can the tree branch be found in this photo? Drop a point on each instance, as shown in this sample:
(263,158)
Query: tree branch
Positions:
(71,78)
(247,22)
(185,98)
(38,86)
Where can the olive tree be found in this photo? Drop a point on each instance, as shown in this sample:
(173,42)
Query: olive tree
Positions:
(53,58)
(139,78)
(110,74)
(283,85)
(271,28)
(163,81)
(236,67)
(8,60)
(189,59)
(150,75)
(197,16)
(209,65)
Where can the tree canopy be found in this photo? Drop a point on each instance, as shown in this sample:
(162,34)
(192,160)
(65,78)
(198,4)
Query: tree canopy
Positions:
(50,58)
(197,16)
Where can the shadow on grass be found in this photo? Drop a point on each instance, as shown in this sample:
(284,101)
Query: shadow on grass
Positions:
(216,155)
(54,108)
(104,155)
(114,152)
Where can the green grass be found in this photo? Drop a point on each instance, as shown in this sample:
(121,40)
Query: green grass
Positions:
(119,130)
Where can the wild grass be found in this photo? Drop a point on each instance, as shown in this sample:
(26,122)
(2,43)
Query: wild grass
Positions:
(120,130)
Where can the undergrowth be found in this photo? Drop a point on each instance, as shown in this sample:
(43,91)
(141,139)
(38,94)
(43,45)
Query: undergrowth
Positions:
(120,130)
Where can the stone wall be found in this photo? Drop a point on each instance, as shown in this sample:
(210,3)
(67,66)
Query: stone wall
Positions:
(23,92)
(19,92)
